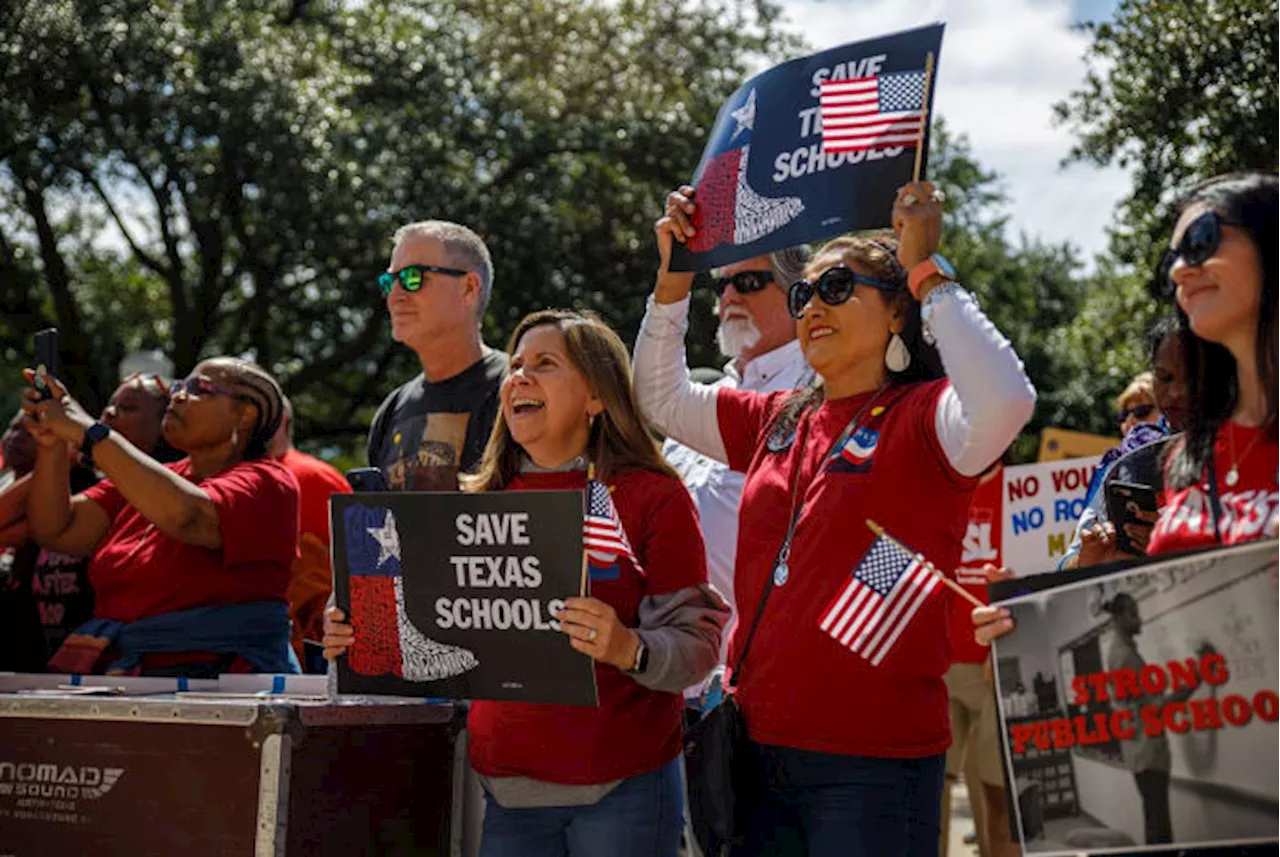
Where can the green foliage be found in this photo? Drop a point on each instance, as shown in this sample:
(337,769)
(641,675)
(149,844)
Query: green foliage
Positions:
(224,177)
(1177,91)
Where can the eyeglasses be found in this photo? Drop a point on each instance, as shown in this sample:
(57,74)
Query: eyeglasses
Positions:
(411,278)
(198,386)
(835,286)
(1138,412)
(1200,241)
(744,282)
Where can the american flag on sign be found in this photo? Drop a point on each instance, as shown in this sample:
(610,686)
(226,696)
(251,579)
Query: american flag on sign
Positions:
(886,590)
(602,533)
(872,111)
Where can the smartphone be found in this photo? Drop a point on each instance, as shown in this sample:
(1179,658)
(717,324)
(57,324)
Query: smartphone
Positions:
(367,479)
(46,347)
(1124,501)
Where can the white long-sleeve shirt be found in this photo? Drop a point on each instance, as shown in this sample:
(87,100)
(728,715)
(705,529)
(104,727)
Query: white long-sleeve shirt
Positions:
(989,401)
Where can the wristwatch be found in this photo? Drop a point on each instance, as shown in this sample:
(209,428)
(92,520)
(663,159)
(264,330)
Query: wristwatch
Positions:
(935,264)
(642,660)
(93,435)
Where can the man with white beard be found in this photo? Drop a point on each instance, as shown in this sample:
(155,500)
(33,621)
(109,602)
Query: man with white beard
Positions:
(758,334)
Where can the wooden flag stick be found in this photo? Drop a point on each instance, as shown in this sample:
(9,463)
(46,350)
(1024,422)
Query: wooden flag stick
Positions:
(879,531)
(924,115)
(582,586)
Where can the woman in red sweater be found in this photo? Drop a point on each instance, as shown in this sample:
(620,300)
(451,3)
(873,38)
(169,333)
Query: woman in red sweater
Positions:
(584,782)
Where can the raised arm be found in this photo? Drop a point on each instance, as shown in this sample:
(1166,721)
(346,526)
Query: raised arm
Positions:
(56,520)
(990,398)
(174,505)
(674,404)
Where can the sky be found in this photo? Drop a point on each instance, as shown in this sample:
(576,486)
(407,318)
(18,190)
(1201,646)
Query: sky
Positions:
(1004,63)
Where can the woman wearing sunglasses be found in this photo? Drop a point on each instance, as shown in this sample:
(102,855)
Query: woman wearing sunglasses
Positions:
(190,560)
(848,753)
(1220,480)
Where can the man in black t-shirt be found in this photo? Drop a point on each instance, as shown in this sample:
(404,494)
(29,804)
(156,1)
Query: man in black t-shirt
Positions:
(437,288)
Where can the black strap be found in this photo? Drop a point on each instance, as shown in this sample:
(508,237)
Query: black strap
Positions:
(1215,502)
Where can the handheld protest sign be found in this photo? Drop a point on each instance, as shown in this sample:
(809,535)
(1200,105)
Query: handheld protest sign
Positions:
(455,595)
(812,148)
(1138,704)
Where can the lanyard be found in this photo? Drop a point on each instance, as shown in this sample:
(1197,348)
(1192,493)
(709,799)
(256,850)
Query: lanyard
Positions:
(781,569)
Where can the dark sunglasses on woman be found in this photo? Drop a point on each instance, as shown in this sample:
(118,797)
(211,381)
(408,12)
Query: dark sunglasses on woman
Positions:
(1138,412)
(1200,240)
(411,277)
(198,386)
(744,282)
(835,286)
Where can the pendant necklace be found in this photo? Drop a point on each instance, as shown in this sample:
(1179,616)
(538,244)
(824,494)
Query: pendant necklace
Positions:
(1233,475)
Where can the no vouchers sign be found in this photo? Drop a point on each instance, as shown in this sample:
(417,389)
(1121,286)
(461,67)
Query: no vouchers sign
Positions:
(455,596)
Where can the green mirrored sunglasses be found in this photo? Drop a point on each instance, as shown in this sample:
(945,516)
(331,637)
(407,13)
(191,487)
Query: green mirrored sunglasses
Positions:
(411,277)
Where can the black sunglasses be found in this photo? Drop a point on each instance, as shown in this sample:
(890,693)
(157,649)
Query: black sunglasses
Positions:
(1200,240)
(744,282)
(1140,412)
(835,286)
(411,277)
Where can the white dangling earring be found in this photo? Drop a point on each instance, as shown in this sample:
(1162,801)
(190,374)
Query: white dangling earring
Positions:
(896,357)
(235,436)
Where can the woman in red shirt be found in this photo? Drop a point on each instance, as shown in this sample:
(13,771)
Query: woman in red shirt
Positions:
(848,739)
(1221,477)
(562,780)
(190,560)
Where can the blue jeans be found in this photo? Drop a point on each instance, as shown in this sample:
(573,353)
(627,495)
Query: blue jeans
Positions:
(641,817)
(826,805)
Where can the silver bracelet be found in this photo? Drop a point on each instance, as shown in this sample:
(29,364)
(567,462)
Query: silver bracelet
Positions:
(948,288)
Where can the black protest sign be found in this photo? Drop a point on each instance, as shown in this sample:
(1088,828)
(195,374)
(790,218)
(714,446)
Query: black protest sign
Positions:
(812,148)
(455,596)
(1138,704)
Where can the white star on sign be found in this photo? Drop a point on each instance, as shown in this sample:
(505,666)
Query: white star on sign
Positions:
(388,539)
(745,116)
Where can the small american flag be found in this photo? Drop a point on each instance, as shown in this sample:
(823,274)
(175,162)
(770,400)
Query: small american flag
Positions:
(602,531)
(872,111)
(885,592)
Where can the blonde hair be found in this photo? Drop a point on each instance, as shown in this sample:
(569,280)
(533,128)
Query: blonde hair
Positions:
(1141,391)
(620,438)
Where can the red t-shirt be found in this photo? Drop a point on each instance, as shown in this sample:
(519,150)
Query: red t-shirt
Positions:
(634,730)
(1248,508)
(140,572)
(981,546)
(799,686)
(317,481)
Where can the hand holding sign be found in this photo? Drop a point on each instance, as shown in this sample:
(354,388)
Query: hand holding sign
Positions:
(917,221)
(676,224)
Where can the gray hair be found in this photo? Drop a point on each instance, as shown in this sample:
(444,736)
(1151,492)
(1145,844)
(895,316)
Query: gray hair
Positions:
(464,249)
(789,264)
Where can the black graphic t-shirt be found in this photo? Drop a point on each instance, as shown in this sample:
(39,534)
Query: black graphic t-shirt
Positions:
(425,433)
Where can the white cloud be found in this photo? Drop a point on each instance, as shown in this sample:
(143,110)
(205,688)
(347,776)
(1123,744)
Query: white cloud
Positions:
(1004,64)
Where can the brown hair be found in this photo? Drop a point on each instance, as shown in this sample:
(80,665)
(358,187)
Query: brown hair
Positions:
(877,252)
(620,439)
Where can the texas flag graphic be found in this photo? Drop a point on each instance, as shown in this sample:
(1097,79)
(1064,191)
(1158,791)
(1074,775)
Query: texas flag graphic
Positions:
(856,453)
(729,210)
(384,647)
